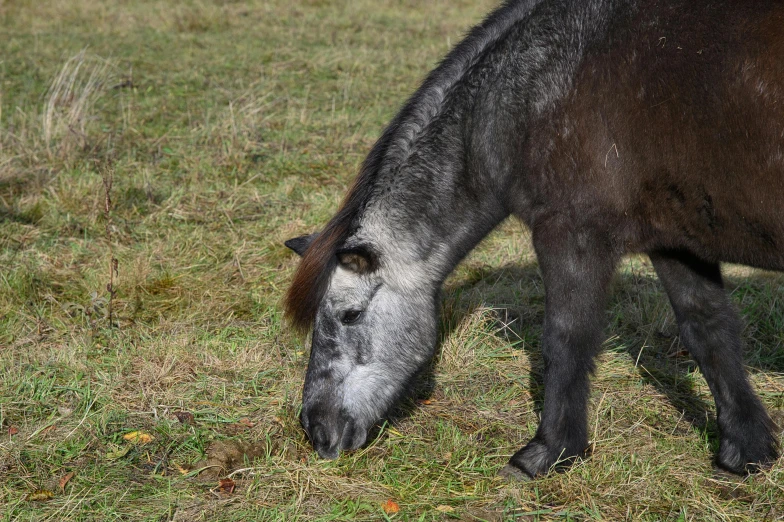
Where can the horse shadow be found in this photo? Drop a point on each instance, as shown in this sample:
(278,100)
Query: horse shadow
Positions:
(640,323)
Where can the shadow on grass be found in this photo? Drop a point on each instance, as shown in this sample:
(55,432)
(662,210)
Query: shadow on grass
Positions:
(15,187)
(638,315)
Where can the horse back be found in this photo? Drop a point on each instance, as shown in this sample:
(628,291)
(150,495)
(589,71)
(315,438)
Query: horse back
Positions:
(671,133)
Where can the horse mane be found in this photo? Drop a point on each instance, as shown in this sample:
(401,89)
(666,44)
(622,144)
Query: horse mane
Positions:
(311,279)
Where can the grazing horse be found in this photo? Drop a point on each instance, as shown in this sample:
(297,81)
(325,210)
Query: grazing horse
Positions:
(608,127)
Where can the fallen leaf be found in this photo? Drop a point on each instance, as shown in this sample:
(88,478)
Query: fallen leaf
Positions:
(226,485)
(139,437)
(425,402)
(185,417)
(182,470)
(40,495)
(246,422)
(13,430)
(390,507)
(65,479)
(445,509)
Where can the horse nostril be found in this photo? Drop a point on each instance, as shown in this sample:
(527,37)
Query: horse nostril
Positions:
(319,436)
(353,436)
(324,441)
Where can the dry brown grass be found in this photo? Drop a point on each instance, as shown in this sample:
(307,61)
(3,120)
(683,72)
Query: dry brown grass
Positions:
(70,103)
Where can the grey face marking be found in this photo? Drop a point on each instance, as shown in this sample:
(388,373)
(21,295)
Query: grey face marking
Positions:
(370,338)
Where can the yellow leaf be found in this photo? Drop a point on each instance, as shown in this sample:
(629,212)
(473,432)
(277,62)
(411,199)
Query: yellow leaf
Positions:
(393,431)
(39,495)
(445,509)
(139,437)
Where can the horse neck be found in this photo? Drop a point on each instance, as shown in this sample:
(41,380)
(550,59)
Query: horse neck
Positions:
(432,209)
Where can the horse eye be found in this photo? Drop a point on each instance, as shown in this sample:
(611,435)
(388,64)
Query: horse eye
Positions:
(350,316)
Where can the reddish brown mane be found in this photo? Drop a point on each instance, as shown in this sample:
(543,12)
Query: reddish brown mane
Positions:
(312,276)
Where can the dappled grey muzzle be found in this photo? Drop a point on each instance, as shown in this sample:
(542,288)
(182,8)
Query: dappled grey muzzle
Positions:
(329,426)
(330,431)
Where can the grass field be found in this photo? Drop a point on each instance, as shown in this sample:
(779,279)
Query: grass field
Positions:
(153,158)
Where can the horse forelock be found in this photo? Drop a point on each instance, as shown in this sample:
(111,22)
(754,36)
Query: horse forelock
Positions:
(311,280)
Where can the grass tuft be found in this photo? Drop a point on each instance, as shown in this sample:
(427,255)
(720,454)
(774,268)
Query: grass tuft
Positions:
(70,103)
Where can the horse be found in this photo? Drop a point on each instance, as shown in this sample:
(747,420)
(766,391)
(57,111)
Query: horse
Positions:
(608,127)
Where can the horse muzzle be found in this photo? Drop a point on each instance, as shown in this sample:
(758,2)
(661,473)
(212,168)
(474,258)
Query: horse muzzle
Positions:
(331,432)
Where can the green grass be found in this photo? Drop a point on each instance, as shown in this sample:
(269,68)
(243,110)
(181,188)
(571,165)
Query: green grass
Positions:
(224,129)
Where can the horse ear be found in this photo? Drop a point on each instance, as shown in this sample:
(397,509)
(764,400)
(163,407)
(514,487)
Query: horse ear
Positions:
(359,261)
(300,244)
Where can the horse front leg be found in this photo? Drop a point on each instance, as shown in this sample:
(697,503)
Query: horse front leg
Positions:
(710,330)
(577,266)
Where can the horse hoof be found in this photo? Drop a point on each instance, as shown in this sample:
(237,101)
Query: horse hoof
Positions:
(733,459)
(534,459)
(749,443)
